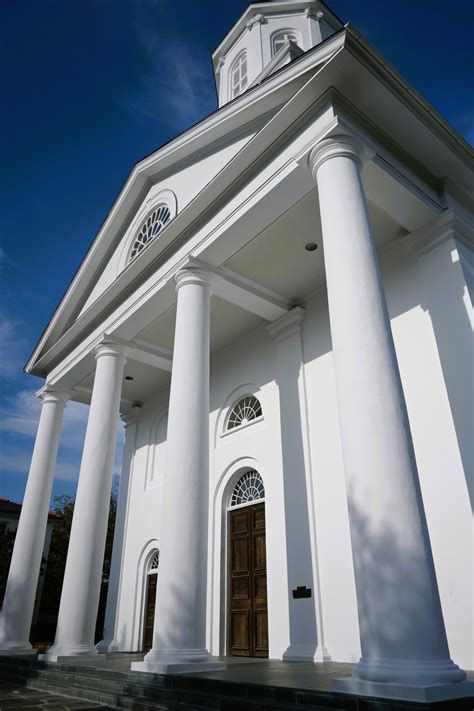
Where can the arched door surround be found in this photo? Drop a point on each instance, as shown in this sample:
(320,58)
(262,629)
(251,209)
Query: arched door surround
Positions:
(247,600)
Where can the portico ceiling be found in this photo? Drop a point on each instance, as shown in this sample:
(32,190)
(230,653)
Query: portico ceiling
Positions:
(228,322)
(276,257)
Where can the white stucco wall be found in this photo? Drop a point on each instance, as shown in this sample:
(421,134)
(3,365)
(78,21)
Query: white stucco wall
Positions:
(420,325)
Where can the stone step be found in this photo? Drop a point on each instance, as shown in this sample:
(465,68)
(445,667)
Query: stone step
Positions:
(109,700)
(153,692)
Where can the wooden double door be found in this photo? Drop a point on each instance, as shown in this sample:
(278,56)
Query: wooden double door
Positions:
(150,611)
(248,611)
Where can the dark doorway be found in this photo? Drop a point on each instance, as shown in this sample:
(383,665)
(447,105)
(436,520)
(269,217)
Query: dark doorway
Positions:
(248,611)
(150,611)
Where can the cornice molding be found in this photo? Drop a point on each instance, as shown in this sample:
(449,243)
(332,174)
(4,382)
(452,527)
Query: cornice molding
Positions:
(447,226)
(276,7)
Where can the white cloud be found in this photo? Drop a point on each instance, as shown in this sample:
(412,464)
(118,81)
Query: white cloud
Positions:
(13,347)
(16,460)
(19,420)
(20,415)
(178,88)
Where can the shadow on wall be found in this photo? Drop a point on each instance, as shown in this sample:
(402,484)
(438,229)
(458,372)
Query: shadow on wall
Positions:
(453,332)
(436,285)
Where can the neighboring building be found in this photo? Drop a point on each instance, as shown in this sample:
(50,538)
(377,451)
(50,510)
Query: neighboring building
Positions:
(322,210)
(9,516)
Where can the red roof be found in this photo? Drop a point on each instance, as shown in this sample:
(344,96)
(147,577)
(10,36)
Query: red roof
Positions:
(11,507)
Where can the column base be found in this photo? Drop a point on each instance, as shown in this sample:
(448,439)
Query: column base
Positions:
(107,646)
(178,662)
(297,653)
(408,672)
(404,692)
(64,654)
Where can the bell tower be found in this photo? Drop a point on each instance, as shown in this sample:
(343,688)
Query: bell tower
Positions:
(266,37)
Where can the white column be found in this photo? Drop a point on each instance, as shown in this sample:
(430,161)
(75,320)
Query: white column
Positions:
(82,578)
(179,638)
(18,604)
(110,642)
(403,638)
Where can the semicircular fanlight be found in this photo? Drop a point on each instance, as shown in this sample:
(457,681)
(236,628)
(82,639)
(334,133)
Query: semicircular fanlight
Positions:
(248,489)
(151,228)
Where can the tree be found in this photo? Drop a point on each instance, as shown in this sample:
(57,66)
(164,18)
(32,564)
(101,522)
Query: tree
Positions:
(7,539)
(50,599)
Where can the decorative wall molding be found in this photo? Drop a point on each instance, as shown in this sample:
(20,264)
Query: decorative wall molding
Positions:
(258,19)
(315,14)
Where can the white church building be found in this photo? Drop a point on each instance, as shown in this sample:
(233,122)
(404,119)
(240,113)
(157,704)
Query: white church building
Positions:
(278,305)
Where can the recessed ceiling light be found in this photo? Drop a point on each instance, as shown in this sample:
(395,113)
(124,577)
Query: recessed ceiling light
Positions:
(311,247)
(128,377)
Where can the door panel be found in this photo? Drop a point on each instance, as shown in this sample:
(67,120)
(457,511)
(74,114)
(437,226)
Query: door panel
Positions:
(248,618)
(150,611)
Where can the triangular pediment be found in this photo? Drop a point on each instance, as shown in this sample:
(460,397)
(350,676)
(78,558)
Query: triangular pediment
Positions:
(207,165)
(163,196)
(184,167)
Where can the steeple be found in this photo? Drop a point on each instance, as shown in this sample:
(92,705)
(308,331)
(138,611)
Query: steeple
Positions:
(266,37)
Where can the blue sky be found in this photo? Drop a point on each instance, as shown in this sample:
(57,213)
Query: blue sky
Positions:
(90,86)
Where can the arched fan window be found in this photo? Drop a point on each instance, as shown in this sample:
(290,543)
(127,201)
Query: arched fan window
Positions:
(246,410)
(238,75)
(151,228)
(248,489)
(154,563)
(281,38)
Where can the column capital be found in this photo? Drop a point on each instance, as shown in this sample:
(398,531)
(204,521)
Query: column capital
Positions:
(287,325)
(194,275)
(48,394)
(111,348)
(335,147)
(131,416)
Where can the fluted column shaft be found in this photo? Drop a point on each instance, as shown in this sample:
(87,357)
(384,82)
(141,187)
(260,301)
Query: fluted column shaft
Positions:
(402,631)
(179,638)
(82,577)
(19,600)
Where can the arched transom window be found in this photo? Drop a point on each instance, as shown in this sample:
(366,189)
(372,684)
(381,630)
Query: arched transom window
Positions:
(281,38)
(154,563)
(238,75)
(248,489)
(246,410)
(151,228)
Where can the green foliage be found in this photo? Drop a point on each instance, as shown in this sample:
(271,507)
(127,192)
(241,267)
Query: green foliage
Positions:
(51,596)
(7,540)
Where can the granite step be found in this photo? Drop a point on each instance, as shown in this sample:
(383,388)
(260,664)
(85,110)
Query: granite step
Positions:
(123,689)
